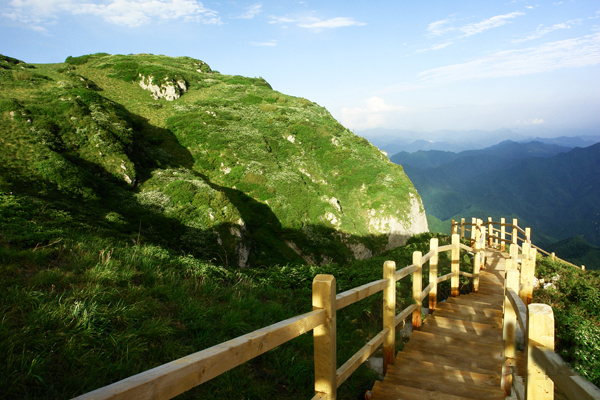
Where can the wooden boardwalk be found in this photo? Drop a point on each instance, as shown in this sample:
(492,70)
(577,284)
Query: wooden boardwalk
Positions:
(457,353)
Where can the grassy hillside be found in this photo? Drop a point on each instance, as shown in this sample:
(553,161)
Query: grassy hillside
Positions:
(128,222)
(231,170)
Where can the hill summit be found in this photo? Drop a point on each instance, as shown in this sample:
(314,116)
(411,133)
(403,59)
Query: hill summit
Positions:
(168,151)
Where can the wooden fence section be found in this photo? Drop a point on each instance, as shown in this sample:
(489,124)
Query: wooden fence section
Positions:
(171,379)
(498,236)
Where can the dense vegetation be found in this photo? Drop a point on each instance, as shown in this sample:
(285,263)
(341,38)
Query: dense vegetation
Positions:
(575,300)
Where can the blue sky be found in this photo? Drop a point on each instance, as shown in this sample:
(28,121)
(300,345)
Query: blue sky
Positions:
(417,65)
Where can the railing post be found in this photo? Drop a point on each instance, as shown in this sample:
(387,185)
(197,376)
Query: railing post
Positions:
(502,234)
(509,332)
(474,223)
(462,228)
(527,273)
(491,231)
(528,235)
(454,280)
(433,273)
(477,265)
(540,332)
(323,293)
(514,231)
(389,314)
(417,278)
(552,256)
(453,228)
(514,251)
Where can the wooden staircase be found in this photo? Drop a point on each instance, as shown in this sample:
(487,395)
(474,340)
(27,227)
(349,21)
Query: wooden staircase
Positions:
(457,353)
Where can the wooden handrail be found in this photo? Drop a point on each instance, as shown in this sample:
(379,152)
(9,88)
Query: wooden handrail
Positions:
(519,307)
(360,357)
(571,383)
(358,293)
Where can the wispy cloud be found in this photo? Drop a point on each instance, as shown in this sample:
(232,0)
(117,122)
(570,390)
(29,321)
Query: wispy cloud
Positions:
(494,22)
(270,43)
(338,22)
(131,13)
(251,11)
(571,53)
(316,23)
(543,30)
(435,47)
(374,114)
(438,28)
(445,26)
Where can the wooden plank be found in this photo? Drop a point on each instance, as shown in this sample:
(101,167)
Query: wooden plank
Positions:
(320,396)
(351,296)
(433,273)
(381,392)
(462,362)
(405,271)
(445,277)
(449,383)
(360,357)
(496,321)
(427,256)
(571,383)
(447,247)
(465,247)
(389,314)
(451,345)
(471,309)
(469,300)
(455,266)
(466,330)
(171,379)
(417,289)
(426,291)
(518,306)
(467,274)
(325,347)
(405,313)
(540,332)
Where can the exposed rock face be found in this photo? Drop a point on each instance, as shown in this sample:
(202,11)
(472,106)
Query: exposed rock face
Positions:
(398,231)
(169,90)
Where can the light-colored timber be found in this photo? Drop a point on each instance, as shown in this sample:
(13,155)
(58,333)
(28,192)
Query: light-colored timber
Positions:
(458,351)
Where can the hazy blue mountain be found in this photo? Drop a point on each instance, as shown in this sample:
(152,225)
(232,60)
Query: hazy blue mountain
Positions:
(567,141)
(577,251)
(506,150)
(558,196)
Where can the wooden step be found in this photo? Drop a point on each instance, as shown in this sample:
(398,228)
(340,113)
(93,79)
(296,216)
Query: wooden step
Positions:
(457,383)
(430,342)
(399,392)
(495,321)
(476,301)
(470,309)
(421,380)
(452,358)
(446,371)
(483,338)
(474,328)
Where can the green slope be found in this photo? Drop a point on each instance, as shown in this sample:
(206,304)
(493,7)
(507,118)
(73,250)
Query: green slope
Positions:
(245,175)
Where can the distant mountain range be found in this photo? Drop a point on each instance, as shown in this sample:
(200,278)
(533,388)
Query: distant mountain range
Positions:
(554,190)
(393,141)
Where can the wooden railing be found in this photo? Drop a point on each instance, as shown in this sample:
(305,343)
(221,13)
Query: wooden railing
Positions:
(542,367)
(171,379)
(497,236)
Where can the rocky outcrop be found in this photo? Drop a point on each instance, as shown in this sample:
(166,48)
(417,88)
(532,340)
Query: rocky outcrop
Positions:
(170,89)
(399,230)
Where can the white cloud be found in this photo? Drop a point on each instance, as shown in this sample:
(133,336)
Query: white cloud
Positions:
(494,22)
(374,114)
(270,43)
(438,28)
(251,11)
(571,53)
(338,22)
(541,31)
(281,20)
(435,47)
(130,13)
